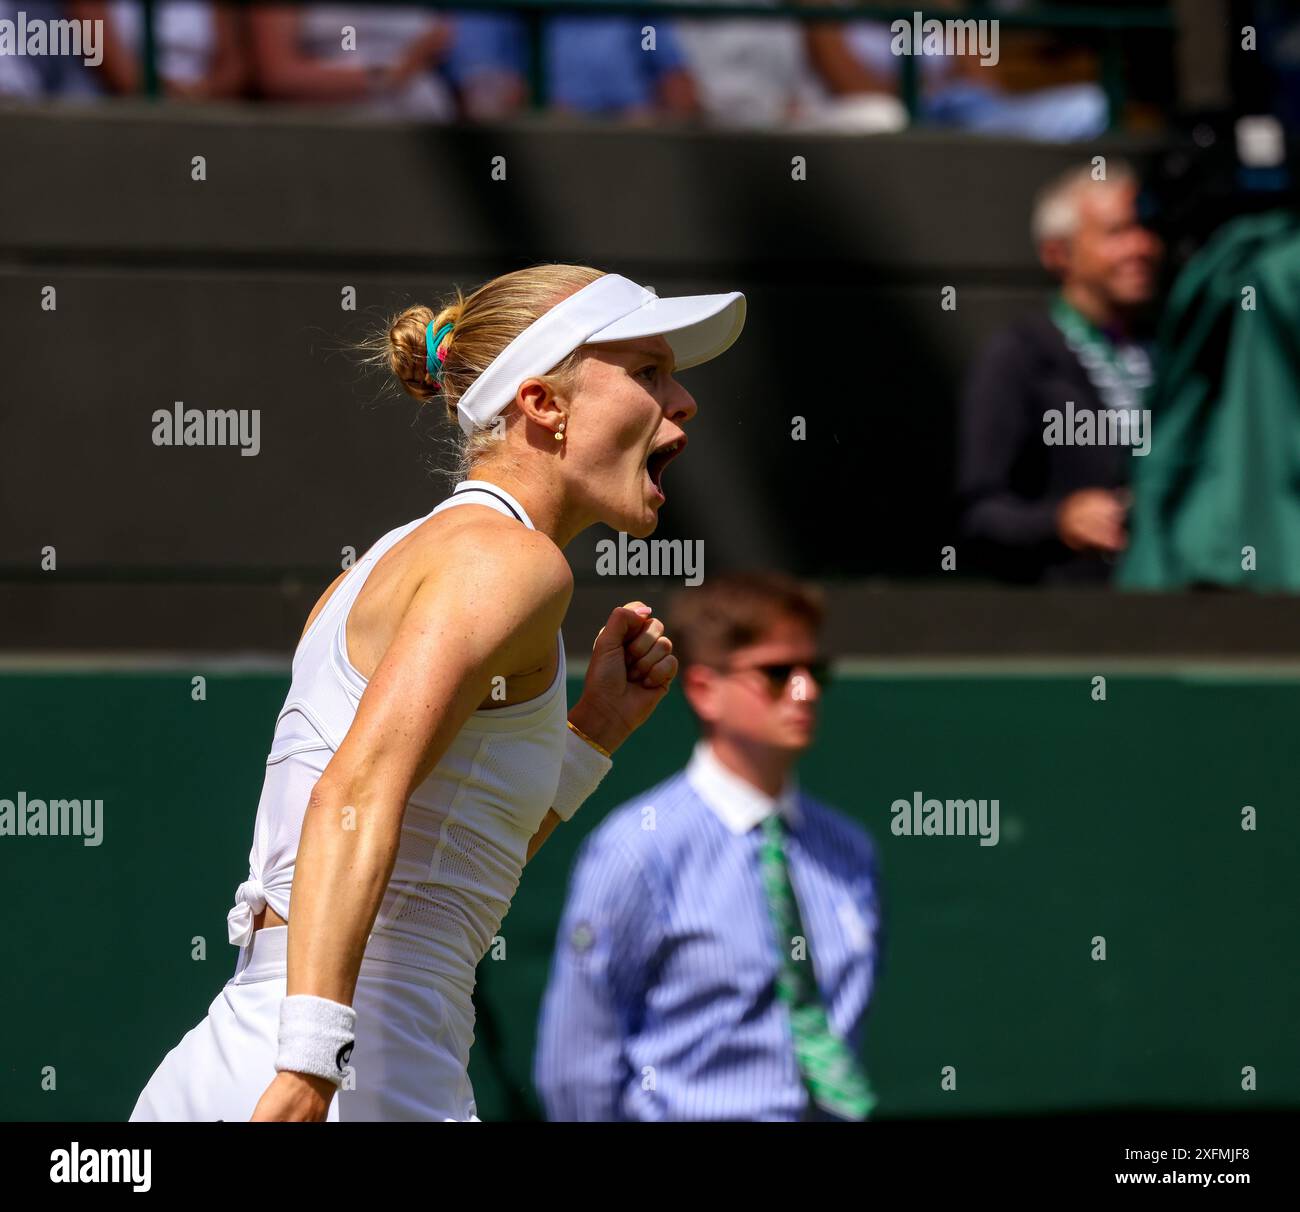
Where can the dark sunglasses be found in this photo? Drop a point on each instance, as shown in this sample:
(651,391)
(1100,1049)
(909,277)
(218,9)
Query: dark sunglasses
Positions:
(778,674)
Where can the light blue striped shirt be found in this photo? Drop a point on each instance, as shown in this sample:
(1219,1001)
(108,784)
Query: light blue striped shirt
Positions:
(662,1000)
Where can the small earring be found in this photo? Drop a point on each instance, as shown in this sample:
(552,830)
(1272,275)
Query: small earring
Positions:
(559,433)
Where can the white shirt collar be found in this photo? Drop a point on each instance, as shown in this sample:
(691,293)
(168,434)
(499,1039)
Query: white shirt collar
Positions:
(738,804)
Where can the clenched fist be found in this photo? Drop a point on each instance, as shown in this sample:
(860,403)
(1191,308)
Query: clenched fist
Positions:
(632,666)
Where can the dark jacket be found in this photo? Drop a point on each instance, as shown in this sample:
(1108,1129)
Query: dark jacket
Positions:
(1010,482)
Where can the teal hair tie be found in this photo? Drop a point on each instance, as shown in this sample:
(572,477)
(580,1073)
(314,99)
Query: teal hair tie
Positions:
(432,362)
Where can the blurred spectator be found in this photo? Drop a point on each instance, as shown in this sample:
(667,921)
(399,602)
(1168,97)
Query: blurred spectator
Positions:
(959,91)
(32,76)
(768,72)
(406,60)
(854,95)
(1038,510)
(19,75)
(199,47)
(750,72)
(721,939)
(384,57)
(488,64)
(597,66)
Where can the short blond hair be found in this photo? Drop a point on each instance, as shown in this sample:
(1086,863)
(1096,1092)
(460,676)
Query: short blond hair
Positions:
(1056,205)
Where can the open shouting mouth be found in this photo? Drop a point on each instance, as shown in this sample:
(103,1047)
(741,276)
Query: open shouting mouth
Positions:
(658,460)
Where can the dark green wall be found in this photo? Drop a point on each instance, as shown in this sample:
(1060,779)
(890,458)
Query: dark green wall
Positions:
(1118,818)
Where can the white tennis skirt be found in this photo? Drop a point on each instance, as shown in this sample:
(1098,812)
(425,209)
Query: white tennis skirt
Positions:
(410,1061)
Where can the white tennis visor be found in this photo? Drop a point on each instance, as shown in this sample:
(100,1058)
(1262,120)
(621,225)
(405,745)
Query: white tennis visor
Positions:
(612,308)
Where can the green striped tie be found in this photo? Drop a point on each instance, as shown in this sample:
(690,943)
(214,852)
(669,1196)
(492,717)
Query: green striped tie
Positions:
(835,1080)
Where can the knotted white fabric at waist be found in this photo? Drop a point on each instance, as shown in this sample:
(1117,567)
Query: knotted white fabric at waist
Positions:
(250,900)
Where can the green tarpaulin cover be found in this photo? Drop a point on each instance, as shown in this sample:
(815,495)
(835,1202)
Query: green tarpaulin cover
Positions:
(1223,472)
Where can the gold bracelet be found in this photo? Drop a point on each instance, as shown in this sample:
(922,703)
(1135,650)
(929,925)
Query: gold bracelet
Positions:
(599,748)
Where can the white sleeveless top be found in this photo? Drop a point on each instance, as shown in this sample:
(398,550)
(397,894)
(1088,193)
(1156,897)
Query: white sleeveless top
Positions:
(466,830)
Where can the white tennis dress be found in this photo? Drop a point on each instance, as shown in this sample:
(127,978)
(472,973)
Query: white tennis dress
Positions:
(463,846)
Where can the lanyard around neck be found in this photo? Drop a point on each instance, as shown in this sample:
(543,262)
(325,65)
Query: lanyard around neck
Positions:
(1120,376)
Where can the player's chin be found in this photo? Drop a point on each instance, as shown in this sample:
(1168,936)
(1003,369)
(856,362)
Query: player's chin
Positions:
(635,513)
(642,516)
(648,523)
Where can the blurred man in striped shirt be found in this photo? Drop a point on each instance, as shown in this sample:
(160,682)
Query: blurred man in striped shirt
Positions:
(720,942)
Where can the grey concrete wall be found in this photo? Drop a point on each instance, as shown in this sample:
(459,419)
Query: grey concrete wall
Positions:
(225,294)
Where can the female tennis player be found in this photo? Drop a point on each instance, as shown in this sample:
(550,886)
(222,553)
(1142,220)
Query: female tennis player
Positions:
(425,750)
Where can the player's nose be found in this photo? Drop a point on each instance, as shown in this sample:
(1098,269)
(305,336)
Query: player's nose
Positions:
(681,406)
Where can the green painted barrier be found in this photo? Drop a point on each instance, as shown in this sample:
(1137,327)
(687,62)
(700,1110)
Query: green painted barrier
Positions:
(1119,819)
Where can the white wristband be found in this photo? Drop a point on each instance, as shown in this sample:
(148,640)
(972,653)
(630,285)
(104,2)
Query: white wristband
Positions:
(316,1036)
(584,767)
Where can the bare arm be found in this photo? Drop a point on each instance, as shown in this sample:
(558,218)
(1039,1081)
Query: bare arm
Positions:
(120,66)
(229,63)
(631,667)
(840,69)
(484,613)
(284,73)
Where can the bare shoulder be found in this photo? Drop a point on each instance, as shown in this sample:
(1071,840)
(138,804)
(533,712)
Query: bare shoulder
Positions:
(490,561)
